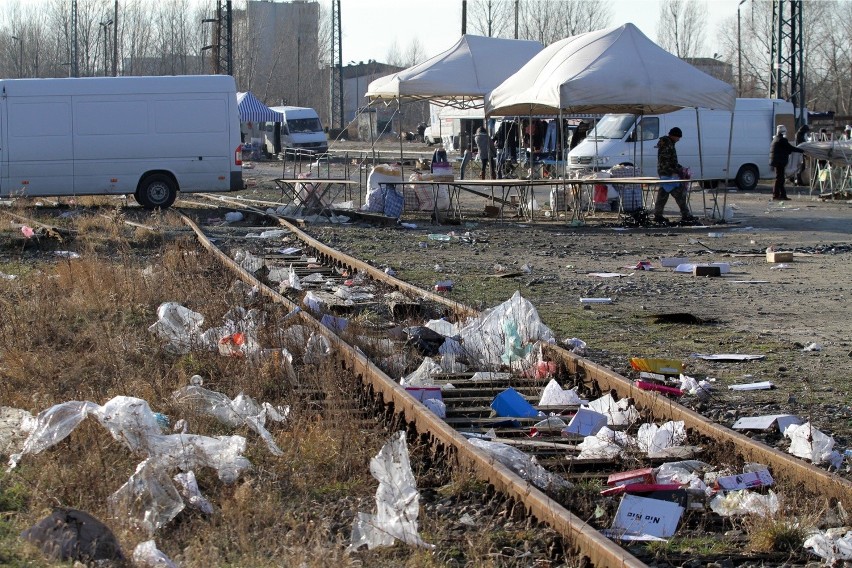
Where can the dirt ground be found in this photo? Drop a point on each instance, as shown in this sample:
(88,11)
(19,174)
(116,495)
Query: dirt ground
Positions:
(777,311)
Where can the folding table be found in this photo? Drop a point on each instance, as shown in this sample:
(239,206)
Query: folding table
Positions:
(312,193)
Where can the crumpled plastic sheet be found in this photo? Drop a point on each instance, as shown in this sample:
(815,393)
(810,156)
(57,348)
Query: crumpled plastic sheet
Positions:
(809,443)
(422,376)
(443,327)
(187,486)
(397,501)
(234,413)
(554,395)
(654,439)
(248,261)
(317,349)
(486,340)
(149,492)
(744,502)
(522,464)
(834,545)
(149,497)
(437,406)
(147,555)
(691,385)
(355,293)
(686,472)
(606,444)
(237,320)
(621,413)
(179,326)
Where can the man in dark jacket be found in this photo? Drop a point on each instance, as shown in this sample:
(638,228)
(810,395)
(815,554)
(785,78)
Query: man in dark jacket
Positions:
(801,136)
(669,168)
(779,155)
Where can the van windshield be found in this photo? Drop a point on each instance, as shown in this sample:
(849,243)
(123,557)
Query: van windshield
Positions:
(612,126)
(301,125)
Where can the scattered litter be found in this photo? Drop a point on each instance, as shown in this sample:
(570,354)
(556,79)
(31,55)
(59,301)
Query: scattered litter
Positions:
(66,254)
(749,480)
(809,443)
(646,386)
(510,403)
(585,423)
(147,555)
(234,413)
(655,439)
(501,335)
(233,217)
(595,300)
(644,476)
(641,517)
(444,286)
(290,251)
(723,267)
(766,422)
(781,266)
(663,366)
(577,346)
(27,232)
(608,274)
(761,385)
(748,281)
(834,545)
(422,377)
(813,347)
(728,357)
(5,276)
(554,395)
(694,387)
(673,262)
(737,503)
(188,489)
(408,225)
(621,413)
(70,534)
(643,265)
(439,237)
(521,464)
(397,501)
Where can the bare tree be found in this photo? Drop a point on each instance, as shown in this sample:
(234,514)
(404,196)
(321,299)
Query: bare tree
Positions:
(681,25)
(548,22)
(491,18)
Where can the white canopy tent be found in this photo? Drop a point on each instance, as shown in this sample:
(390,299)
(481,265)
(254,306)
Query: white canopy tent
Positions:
(459,76)
(612,70)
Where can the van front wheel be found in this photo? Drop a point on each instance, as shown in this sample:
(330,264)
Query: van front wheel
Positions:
(747,178)
(156,191)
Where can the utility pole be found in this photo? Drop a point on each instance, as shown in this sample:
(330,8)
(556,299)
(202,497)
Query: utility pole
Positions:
(20,41)
(335,110)
(464,17)
(105,27)
(75,59)
(787,56)
(115,40)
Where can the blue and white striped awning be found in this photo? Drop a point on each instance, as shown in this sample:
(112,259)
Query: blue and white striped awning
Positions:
(252,110)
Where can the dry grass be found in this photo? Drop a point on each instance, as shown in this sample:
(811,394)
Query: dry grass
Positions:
(78,330)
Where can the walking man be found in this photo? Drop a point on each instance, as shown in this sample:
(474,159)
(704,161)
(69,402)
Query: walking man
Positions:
(669,168)
(779,155)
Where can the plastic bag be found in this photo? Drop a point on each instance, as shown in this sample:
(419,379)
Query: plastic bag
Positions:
(745,502)
(52,426)
(621,413)
(179,326)
(522,464)
(654,439)
(397,501)
(234,413)
(149,497)
(422,377)
(147,555)
(554,395)
(188,489)
(484,337)
(809,443)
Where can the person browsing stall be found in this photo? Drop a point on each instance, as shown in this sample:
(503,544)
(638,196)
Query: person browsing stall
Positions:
(669,168)
(779,155)
(484,148)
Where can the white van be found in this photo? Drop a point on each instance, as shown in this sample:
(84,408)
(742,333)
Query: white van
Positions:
(301,131)
(146,136)
(613,141)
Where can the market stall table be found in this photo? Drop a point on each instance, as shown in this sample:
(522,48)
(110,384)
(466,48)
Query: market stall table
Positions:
(312,193)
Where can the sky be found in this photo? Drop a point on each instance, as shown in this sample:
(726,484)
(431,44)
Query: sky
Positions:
(370,27)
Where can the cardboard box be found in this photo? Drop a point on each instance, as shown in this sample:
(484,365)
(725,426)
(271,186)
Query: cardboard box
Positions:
(779,257)
(645,475)
(699,270)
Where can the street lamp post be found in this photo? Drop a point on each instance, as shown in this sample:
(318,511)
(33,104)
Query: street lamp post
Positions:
(357,89)
(739,53)
(20,41)
(105,26)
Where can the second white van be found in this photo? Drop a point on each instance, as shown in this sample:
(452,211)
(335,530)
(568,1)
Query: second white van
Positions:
(630,138)
(301,131)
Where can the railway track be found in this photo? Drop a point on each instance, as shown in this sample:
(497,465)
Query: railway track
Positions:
(469,413)
(369,350)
